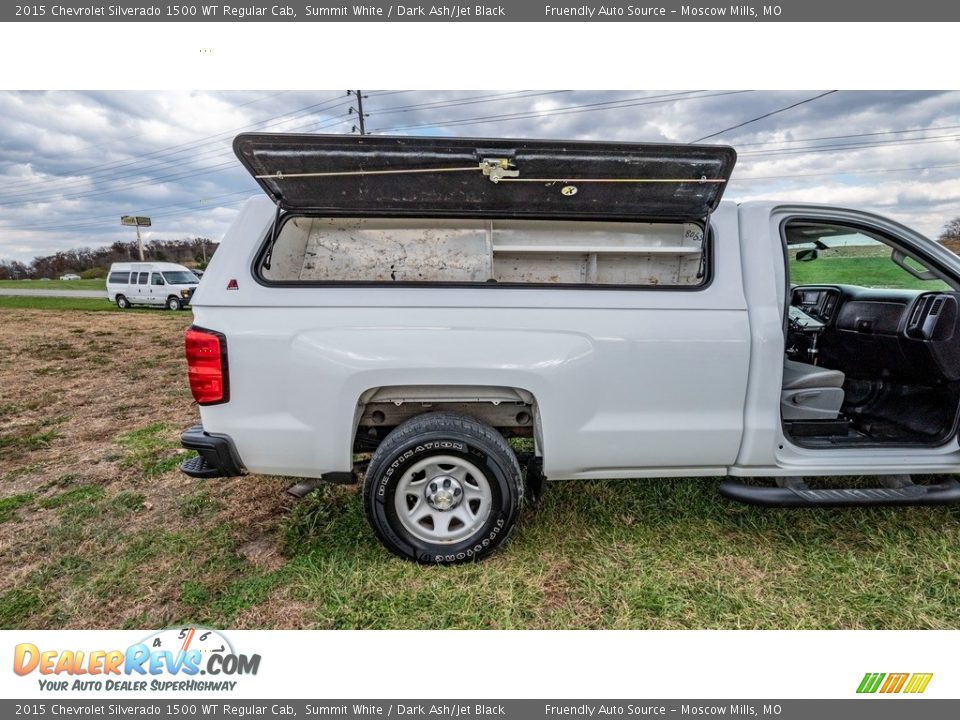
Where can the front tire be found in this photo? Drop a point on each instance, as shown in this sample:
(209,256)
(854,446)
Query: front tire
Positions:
(443,489)
(122,302)
(173,303)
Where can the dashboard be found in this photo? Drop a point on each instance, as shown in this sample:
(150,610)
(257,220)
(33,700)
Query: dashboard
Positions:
(871,333)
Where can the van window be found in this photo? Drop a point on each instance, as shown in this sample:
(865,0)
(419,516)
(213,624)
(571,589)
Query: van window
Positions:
(155,279)
(532,252)
(180,277)
(143,278)
(119,278)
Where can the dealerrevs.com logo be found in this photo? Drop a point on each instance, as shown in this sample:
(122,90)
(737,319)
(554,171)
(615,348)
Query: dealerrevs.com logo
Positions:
(889,683)
(179,659)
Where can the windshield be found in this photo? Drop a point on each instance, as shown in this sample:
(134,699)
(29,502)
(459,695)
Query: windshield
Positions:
(181,277)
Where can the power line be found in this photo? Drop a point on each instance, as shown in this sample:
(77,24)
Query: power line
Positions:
(851,136)
(112,222)
(199,142)
(515,95)
(108,171)
(848,146)
(737,178)
(96,220)
(141,134)
(764,116)
(572,109)
(174,176)
(38,195)
(383,93)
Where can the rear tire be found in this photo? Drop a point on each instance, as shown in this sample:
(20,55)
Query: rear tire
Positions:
(173,303)
(122,302)
(443,489)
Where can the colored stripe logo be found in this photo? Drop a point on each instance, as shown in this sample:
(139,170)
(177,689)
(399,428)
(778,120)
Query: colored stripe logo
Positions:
(913,683)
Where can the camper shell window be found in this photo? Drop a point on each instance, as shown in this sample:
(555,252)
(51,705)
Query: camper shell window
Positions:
(488,252)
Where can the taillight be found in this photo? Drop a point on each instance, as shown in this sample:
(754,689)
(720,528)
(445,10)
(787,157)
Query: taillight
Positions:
(207,366)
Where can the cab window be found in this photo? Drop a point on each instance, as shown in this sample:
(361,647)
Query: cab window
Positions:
(829,254)
(156,279)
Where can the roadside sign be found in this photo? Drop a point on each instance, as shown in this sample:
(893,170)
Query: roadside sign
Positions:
(137,220)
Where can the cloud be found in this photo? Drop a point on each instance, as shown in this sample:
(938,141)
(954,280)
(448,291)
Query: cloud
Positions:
(72,162)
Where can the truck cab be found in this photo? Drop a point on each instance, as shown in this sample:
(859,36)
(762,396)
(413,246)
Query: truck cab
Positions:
(420,303)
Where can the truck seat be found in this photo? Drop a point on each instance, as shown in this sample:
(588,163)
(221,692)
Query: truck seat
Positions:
(810,392)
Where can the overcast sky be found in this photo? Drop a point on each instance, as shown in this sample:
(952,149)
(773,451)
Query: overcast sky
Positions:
(72,162)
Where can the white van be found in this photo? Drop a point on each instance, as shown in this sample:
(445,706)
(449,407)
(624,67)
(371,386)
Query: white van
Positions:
(155,283)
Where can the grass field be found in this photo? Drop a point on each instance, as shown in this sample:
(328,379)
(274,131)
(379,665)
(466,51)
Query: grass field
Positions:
(845,266)
(100,284)
(25,302)
(98,529)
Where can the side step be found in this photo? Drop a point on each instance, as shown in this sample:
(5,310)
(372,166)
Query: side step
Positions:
(794,492)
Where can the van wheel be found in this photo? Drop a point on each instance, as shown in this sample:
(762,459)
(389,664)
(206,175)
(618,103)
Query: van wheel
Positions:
(122,302)
(173,303)
(443,488)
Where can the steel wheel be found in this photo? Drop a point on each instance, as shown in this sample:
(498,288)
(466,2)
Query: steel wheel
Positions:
(443,499)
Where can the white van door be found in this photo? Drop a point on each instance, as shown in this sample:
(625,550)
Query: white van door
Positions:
(157,290)
(140,291)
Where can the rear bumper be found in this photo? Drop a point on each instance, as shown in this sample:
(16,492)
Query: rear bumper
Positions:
(217,455)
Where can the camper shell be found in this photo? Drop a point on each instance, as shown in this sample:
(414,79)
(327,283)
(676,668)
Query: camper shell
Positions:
(415,303)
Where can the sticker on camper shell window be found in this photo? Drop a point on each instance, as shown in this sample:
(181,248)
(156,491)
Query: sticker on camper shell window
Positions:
(568,190)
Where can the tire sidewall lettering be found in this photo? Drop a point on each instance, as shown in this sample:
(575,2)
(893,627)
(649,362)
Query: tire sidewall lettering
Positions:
(420,449)
(420,439)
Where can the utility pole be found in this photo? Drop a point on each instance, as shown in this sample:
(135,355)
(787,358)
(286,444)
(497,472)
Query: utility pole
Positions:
(358,110)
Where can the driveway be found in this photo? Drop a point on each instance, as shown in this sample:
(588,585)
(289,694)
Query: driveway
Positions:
(54,293)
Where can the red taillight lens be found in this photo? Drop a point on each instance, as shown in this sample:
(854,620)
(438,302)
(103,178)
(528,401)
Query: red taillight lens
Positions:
(207,366)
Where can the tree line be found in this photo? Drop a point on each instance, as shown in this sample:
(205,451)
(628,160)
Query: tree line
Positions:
(93,262)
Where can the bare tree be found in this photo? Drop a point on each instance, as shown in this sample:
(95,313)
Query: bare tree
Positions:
(951,231)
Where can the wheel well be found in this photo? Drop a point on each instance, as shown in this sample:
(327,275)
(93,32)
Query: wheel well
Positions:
(511,411)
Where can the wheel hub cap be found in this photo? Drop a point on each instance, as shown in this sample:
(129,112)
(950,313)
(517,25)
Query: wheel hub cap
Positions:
(443,493)
(443,499)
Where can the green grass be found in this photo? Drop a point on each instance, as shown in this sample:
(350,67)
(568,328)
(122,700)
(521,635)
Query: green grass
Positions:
(16,302)
(58,303)
(603,554)
(152,449)
(639,554)
(100,284)
(10,505)
(878,272)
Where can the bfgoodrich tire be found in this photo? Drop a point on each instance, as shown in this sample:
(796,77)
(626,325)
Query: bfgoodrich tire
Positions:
(443,488)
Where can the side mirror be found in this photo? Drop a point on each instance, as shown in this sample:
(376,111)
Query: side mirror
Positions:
(807,255)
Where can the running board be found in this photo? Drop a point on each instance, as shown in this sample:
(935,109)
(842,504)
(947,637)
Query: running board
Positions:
(796,493)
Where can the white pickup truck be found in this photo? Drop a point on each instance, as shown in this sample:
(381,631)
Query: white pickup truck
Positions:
(427,299)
